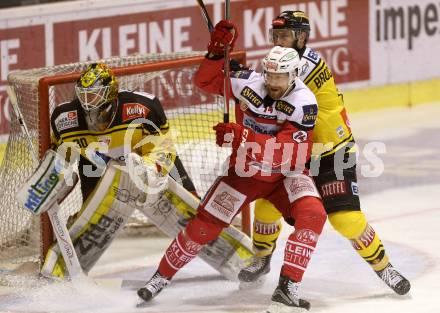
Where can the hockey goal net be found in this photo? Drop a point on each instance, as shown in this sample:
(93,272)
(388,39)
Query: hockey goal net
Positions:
(191,113)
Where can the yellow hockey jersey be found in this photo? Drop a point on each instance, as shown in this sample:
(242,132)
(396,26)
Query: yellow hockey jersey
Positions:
(332,129)
(121,136)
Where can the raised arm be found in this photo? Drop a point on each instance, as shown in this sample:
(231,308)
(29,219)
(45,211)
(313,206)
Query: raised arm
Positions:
(209,76)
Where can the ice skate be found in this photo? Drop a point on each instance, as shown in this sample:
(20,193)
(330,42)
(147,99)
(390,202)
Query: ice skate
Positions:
(285,298)
(155,285)
(253,275)
(394,280)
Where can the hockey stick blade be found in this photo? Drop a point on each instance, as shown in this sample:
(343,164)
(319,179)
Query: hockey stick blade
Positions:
(132,284)
(113,283)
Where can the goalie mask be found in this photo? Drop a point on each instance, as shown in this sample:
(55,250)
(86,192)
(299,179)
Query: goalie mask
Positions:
(288,27)
(280,68)
(97,90)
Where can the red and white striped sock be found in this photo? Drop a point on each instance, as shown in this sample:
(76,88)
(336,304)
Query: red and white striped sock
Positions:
(298,251)
(180,252)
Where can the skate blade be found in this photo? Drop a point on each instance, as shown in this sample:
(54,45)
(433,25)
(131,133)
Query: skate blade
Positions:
(142,304)
(244,285)
(276,307)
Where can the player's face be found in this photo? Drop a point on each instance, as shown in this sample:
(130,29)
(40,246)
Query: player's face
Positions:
(283,37)
(92,98)
(276,84)
(99,120)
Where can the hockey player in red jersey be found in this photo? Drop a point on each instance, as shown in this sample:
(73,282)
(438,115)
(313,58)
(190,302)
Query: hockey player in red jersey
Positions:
(291,29)
(271,142)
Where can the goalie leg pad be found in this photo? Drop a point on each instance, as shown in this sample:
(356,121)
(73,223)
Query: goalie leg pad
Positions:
(100,220)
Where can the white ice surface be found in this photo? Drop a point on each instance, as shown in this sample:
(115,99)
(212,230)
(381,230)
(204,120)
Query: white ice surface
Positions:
(338,280)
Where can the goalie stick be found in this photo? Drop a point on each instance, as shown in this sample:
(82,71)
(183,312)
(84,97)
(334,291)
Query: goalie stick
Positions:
(59,228)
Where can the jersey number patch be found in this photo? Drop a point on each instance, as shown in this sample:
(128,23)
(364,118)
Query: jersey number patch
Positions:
(313,55)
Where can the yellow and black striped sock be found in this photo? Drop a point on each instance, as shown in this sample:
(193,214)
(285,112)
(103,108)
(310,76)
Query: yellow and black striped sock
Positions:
(371,249)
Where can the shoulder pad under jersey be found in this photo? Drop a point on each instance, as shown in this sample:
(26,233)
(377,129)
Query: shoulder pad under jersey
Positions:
(312,55)
(309,64)
(243,74)
(134,105)
(137,104)
(66,117)
(251,90)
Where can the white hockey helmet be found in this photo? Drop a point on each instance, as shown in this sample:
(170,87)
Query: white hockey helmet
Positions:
(282,60)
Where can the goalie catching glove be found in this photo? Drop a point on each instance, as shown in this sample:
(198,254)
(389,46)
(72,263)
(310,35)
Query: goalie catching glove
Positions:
(146,174)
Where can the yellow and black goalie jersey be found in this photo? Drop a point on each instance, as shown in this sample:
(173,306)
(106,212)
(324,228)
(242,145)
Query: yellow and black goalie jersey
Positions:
(332,127)
(122,135)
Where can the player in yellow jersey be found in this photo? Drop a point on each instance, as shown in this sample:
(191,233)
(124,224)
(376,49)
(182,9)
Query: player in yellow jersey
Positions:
(333,149)
(103,114)
(107,125)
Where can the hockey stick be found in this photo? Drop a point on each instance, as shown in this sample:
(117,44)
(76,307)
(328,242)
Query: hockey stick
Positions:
(23,126)
(61,232)
(205,15)
(227,81)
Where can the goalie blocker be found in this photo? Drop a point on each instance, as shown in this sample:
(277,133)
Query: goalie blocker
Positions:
(169,206)
(51,182)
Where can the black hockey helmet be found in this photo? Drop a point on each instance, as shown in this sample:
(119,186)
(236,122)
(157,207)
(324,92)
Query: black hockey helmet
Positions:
(295,20)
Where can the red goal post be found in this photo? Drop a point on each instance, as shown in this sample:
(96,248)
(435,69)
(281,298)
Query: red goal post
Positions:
(168,76)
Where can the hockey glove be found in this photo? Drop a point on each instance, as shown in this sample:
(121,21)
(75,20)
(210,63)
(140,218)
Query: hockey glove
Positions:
(145,173)
(232,134)
(225,32)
